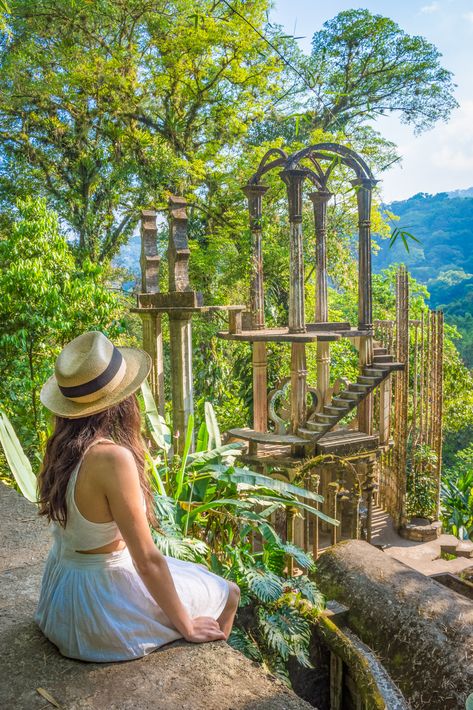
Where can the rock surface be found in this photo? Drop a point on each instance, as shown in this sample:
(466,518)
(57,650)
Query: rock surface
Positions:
(180,676)
(421,631)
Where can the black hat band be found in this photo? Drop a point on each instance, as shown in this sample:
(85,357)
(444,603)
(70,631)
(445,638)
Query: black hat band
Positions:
(98,382)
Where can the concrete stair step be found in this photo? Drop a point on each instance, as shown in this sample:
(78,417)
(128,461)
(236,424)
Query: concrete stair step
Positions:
(373,372)
(464,549)
(367,380)
(389,366)
(347,404)
(310,434)
(316,427)
(449,544)
(348,394)
(380,351)
(338,412)
(321,418)
(383,358)
(359,387)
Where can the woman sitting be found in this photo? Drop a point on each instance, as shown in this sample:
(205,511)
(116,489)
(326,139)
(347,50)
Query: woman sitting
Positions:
(108,594)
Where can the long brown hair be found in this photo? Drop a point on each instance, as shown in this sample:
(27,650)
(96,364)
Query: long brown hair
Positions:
(70,439)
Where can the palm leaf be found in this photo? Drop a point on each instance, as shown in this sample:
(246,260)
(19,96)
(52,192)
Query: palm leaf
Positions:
(17,460)
(265,585)
(250,478)
(181,548)
(302,558)
(187,447)
(215,439)
(158,428)
(308,589)
(240,641)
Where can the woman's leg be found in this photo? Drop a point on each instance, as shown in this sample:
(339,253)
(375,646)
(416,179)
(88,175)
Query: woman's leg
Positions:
(225,620)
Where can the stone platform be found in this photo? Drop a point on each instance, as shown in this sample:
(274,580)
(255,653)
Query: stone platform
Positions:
(180,676)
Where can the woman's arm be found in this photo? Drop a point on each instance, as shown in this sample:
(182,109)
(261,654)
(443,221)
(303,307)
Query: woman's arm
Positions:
(117,475)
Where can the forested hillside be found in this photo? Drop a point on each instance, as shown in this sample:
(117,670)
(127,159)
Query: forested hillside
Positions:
(442,259)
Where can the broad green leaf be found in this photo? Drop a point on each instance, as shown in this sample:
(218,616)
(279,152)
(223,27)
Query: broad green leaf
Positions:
(158,428)
(199,457)
(185,454)
(155,474)
(17,459)
(241,475)
(298,504)
(215,439)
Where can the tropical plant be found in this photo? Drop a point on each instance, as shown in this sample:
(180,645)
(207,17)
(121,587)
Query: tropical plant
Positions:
(214,511)
(457,503)
(422,491)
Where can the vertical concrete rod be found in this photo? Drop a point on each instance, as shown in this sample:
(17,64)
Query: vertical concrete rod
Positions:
(363,188)
(255,195)
(152,331)
(180,325)
(320,200)
(294,180)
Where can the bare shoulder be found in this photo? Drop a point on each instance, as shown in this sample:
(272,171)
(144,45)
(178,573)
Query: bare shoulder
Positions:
(112,459)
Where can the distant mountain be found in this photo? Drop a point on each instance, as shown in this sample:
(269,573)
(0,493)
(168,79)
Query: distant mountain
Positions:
(461,193)
(443,257)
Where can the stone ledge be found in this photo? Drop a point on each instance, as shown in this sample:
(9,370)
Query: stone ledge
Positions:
(421,530)
(183,676)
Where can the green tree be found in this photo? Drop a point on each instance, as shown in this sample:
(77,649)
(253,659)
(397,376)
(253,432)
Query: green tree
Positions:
(363,66)
(46,301)
(106,106)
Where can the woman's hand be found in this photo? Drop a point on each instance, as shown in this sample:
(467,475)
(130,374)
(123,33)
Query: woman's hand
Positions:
(204,629)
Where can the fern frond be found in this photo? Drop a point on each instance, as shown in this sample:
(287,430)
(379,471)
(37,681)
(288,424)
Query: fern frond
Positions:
(188,549)
(240,641)
(309,590)
(265,585)
(303,559)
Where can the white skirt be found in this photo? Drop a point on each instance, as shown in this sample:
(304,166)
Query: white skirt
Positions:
(95,607)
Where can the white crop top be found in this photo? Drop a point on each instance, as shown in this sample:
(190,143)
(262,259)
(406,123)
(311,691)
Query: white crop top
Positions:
(81,534)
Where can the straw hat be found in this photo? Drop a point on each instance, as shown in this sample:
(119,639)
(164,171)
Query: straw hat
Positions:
(91,375)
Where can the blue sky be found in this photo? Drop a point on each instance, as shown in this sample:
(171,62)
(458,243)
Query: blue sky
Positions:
(442,158)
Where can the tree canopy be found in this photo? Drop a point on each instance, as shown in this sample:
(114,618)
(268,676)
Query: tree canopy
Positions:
(106,106)
(364,65)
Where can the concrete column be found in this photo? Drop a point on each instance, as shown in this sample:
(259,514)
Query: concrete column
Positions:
(320,200)
(255,195)
(294,180)
(151,323)
(180,324)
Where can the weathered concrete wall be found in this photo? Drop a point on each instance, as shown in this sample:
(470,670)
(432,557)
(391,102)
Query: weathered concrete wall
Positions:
(185,676)
(422,631)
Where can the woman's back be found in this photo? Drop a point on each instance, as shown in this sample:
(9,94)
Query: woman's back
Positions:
(90,526)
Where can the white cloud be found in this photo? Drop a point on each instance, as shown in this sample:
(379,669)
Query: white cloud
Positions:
(437,161)
(468,16)
(428,9)
(454,144)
